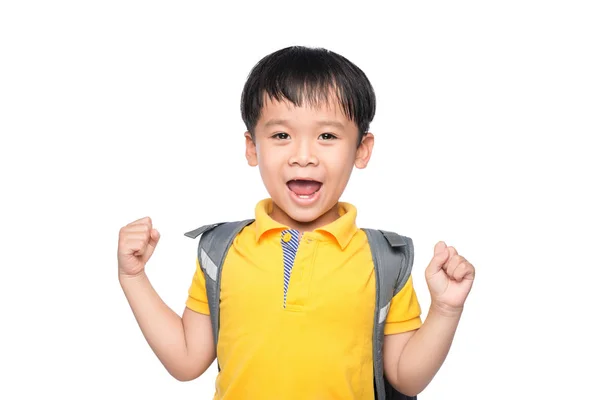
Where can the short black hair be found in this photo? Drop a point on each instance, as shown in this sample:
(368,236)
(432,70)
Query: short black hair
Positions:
(299,74)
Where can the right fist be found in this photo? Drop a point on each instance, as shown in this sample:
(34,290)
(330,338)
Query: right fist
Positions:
(137,242)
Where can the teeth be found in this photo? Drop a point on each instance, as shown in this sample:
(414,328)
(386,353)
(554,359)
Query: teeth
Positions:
(305,196)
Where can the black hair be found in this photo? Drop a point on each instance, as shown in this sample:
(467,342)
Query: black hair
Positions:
(303,74)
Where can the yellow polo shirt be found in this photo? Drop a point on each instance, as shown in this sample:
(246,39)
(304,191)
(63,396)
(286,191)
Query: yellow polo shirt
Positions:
(318,343)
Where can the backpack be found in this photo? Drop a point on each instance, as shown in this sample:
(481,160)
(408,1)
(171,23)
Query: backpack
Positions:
(392,257)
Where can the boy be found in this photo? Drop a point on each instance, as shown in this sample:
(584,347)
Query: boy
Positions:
(297,286)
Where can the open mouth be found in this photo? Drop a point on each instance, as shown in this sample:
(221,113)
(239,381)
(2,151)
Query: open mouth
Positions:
(304,188)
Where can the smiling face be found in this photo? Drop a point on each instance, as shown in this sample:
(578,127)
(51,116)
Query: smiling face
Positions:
(306,155)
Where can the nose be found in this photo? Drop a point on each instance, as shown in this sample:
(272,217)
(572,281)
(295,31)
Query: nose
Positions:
(303,155)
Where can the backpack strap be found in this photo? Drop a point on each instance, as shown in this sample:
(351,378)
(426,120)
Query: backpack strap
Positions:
(212,249)
(393,256)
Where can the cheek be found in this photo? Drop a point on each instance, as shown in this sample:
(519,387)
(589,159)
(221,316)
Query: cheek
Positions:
(341,167)
(346,160)
(269,166)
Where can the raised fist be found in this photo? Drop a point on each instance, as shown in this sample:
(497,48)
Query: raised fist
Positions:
(137,242)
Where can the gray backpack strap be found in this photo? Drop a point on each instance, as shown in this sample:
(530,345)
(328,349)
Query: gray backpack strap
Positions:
(212,250)
(393,256)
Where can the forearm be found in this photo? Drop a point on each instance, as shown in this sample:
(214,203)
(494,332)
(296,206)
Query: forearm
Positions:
(427,349)
(161,326)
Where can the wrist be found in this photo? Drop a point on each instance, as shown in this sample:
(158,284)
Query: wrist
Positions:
(125,279)
(445,310)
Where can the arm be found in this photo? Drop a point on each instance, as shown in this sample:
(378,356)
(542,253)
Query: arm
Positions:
(411,359)
(184,345)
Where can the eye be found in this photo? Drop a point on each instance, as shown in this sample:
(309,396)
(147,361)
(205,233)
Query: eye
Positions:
(281,136)
(327,136)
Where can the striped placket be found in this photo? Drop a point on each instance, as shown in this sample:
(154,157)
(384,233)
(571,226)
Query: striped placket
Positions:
(290,239)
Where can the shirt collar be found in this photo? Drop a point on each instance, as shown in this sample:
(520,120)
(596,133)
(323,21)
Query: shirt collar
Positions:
(342,229)
(264,222)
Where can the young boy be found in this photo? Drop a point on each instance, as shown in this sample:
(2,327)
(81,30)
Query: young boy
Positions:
(298,285)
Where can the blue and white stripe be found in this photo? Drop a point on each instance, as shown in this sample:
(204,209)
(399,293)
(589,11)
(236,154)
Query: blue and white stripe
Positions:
(289,254)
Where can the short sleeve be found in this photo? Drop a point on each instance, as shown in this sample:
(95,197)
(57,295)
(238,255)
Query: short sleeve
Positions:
(405,312)
(197,300)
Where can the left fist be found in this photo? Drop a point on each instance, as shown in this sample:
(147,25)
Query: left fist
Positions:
(449,277)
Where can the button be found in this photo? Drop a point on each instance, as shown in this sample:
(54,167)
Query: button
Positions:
(287,237)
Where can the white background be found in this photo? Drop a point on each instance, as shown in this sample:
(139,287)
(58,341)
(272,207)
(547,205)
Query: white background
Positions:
(485,131)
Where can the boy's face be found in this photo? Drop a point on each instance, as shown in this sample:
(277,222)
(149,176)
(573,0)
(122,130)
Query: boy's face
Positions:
(305,156)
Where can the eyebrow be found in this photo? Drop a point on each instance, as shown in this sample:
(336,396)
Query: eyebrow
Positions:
(285,122)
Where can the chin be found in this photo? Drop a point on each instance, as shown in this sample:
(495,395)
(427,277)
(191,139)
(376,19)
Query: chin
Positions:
(299,214)
(307,215)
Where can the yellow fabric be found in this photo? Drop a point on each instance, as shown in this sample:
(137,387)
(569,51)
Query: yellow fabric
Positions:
(287,237)
(320,345)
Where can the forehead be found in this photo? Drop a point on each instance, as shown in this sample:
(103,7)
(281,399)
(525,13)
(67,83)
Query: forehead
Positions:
(309,112)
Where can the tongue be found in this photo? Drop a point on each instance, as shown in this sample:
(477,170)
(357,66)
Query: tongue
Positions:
(304,188)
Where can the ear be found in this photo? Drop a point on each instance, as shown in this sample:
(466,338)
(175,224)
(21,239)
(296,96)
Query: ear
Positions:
(251,150)
(363,153)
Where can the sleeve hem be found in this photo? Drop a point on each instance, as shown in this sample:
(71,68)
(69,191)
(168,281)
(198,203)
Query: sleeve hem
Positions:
(392,328)
(197,306)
